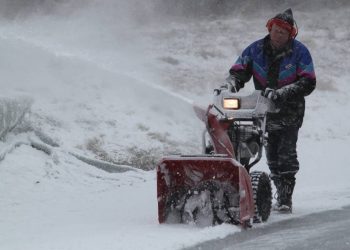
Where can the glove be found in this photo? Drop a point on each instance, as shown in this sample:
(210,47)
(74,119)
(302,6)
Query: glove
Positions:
(232,84)
(271,94)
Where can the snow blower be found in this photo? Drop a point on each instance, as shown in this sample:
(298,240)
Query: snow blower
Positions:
(217,186)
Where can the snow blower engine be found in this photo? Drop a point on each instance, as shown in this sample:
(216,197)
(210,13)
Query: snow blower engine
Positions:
(217,186)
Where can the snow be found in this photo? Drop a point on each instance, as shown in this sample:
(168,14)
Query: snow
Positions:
(121,90)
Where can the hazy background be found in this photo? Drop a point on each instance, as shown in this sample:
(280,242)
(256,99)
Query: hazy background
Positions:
(115,81)
(64,50)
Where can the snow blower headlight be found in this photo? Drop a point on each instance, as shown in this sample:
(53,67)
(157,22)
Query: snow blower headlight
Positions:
(231,103)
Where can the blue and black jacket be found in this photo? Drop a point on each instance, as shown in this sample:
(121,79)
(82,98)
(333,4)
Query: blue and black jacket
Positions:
(291,70)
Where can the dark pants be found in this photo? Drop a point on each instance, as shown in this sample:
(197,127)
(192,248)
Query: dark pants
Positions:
(281,152)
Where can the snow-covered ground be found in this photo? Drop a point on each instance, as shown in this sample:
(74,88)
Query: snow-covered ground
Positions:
(112,88)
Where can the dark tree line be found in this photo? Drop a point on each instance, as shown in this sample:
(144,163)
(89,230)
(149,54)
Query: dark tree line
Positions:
(223,7)
(183,8)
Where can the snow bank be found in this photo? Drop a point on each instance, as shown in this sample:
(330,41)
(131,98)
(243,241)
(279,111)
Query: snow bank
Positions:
(89,108)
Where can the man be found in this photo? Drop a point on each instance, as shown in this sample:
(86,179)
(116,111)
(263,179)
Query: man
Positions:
(282,68)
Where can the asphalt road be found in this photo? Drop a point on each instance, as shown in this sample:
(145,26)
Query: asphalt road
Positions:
(322,231)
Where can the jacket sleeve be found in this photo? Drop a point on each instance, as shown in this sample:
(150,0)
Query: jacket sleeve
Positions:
(242,68)
(306,79)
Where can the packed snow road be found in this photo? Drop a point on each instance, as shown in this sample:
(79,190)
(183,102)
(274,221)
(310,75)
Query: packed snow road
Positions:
(324,230)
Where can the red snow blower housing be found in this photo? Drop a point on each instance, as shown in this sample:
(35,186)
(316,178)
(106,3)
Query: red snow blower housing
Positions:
(216,187)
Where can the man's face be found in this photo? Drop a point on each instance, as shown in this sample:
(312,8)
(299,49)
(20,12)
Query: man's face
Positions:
(279,36)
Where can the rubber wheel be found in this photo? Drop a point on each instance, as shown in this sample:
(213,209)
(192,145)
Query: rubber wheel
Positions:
(262,194)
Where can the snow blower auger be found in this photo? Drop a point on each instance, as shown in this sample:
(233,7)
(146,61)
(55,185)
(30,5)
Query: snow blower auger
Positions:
(216,187)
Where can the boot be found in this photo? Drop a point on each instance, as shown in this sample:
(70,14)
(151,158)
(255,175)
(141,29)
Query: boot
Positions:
(285,188)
